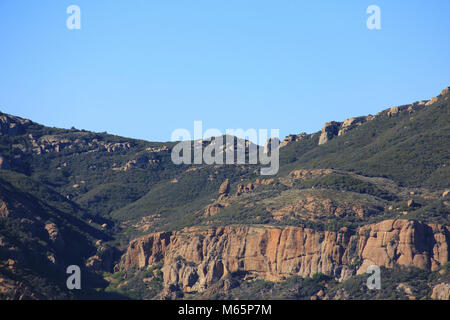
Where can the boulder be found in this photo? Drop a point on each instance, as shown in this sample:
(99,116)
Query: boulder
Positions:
(224,188)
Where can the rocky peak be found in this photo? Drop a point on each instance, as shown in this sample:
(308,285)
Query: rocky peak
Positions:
(12,126)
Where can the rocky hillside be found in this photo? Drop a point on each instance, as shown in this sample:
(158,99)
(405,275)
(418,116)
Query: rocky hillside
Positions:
(41,233)
(367,190)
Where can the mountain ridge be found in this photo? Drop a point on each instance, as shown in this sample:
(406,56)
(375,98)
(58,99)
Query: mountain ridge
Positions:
(107,191)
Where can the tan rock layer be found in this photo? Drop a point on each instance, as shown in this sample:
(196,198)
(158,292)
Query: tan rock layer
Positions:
(195,258)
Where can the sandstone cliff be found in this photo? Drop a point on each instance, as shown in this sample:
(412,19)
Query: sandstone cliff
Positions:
(195,258)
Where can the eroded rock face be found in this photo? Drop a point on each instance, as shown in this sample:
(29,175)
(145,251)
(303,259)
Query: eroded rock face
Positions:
(195,258)
(330,130)
(441,291)
(404,243)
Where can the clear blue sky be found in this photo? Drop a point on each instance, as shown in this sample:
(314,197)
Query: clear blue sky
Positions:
(144,68)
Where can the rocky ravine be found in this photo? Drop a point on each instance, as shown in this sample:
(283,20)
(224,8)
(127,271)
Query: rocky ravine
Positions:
(195,258)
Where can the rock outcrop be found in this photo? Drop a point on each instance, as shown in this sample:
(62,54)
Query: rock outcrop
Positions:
(351,124)
(55,235)
(224,189)
(195,258)
(293,138)
(4,211)
(314,206)
(77,143)
(16,290)
(221,202)
(241,188)
(441,291)
(212,209)
(140,162)
(102,260)
(250,187)
(303,174)
(330,130)
(404,243)
(333,128)
(4,163)
(12,126)
(432,101)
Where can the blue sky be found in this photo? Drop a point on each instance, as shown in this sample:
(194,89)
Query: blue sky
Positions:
(142,68)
